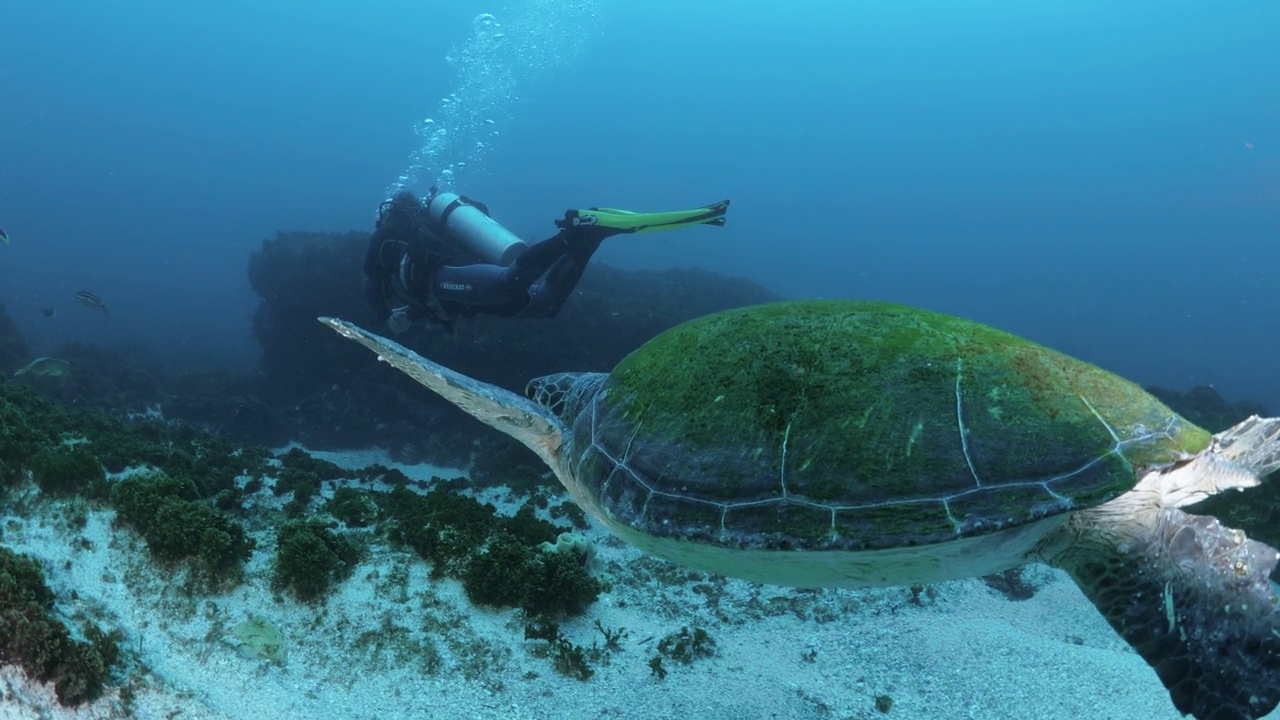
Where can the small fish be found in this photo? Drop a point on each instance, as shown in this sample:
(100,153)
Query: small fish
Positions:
(45,367)
(90,300)
(49,312)
(4,236)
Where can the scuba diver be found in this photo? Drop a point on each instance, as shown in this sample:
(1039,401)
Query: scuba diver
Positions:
(436,260)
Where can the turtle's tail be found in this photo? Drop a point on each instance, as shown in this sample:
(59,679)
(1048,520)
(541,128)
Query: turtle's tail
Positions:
(1193,597)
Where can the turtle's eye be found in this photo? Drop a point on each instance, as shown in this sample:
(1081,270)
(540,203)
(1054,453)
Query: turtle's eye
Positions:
(546,392)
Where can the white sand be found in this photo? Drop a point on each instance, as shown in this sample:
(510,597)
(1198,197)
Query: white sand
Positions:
(780,653)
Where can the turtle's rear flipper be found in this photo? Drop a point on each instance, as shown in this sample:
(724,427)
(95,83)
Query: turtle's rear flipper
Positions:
(1253,444)
(1195,600)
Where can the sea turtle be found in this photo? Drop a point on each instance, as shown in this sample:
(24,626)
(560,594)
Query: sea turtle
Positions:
(845,443)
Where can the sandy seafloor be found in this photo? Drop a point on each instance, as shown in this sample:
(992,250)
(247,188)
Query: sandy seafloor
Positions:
(780,653)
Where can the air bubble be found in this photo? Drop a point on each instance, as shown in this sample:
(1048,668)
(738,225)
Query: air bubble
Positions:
(492,64)
(484,22)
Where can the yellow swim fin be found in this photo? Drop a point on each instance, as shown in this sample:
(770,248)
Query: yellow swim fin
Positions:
(627,221)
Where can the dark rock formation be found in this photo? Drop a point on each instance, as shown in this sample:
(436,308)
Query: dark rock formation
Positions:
(300,276)
(232,405)
(337,395)
(14,350)
(1203,406)
(125,378)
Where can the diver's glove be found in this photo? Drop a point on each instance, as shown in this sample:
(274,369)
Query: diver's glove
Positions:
(399,321)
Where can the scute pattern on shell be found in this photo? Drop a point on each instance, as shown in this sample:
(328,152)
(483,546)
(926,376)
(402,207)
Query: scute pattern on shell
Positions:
(830,424)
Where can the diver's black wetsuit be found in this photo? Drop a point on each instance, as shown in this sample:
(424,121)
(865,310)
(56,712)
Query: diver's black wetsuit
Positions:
(409,267)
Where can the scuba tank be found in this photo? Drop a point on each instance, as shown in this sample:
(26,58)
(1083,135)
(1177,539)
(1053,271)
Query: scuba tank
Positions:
(467,224)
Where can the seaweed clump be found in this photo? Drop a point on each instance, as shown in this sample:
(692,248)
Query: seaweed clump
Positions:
(508,572)
(66,471)
(497,558)
(302,475)
(352,507)
(683,647)
(213,463)
(178,525)
(311,559)
(32,638)
(25,431)
(567,658)
(64,446)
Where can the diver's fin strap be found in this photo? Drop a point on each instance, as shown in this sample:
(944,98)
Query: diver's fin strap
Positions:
(634,222)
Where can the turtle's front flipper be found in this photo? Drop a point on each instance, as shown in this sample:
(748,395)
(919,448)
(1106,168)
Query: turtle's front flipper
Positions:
(1192,597)
(497,407)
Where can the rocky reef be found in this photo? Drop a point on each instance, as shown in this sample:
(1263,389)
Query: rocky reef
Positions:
(14,350)
(328,394)
(298,276)
(315,389)
(1203,406)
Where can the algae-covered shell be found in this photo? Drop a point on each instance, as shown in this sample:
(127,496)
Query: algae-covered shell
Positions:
(850,425)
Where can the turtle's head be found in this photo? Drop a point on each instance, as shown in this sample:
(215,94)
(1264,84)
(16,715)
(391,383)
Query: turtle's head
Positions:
(564,394)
